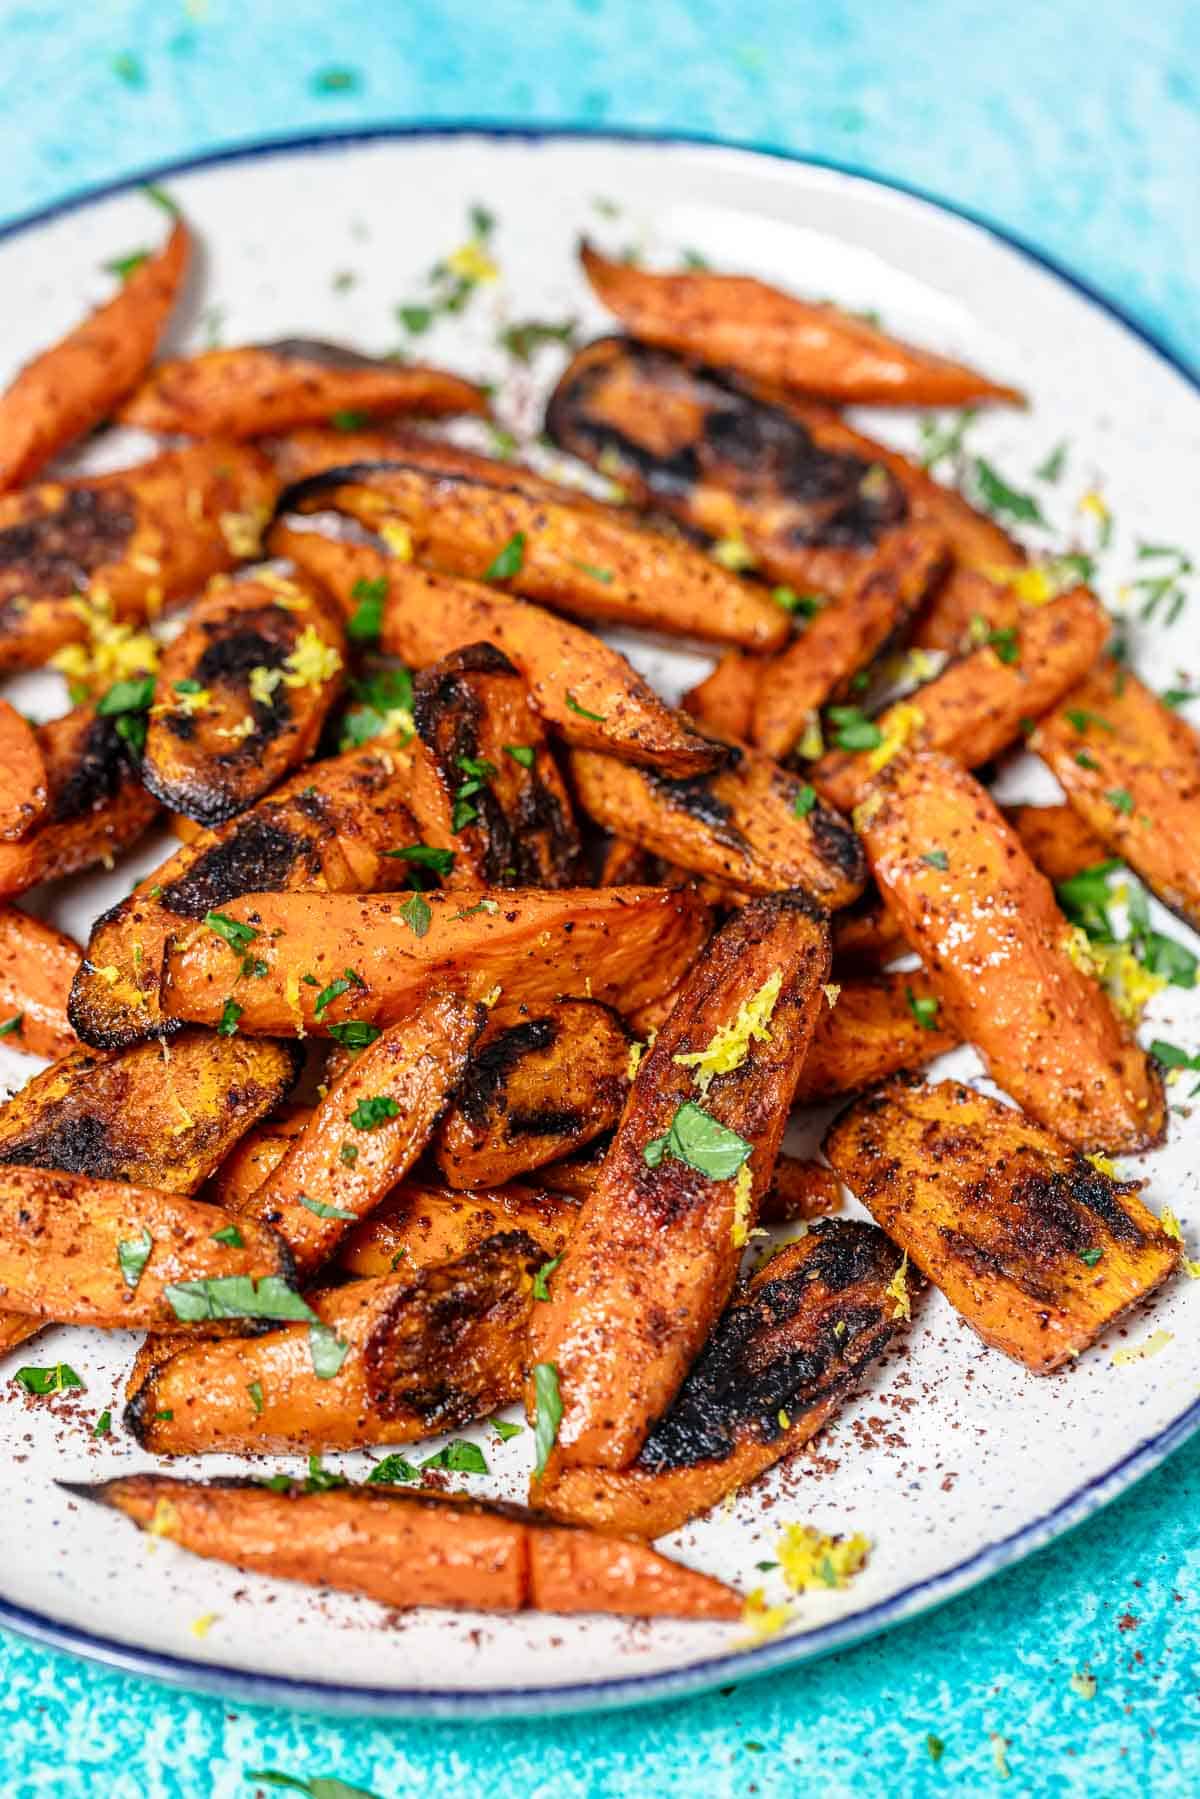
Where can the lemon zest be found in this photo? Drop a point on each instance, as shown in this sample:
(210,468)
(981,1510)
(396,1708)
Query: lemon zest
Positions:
(897,1289)
(201,1626)
(811,1560)
(730,1043)
(743,1199)
(812,741)
(734,554)
(398,538)
(762,1620)
(471,262)
(312,662)
(1104,1165)
(833,993)
(263,682)
(164,1520)
(899,724)
(242,531)
(1141,1352)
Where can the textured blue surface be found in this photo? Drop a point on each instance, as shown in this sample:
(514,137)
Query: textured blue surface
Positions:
(1071,125)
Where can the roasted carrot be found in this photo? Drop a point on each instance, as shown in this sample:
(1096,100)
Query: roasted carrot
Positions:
(310,451)
(258,388)
(157,1118)
(724,701)
(77,1250)
(739,323)
(97,805)
(24,794)
(794,1340)
(37,966)
(628,943)
(655,1253)
(1057,840)
(330,828)
(75,384)
(418,1352)
(133,541)
(367,1132)
(981,703)
(412,1549)
(866,934)
(256,1156)
(875,1027)
(1038,1249)
(843,637)
(753,826)
(799,1189)
(1130,767)
(418,1226)
(533,1091)
(597,565)
(1011,976)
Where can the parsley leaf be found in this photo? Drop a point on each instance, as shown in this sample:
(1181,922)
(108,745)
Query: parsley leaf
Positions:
(254,1388)
(366,621)
(936,859)
(231,1012)
(230,1236)
(1121,798)
(547,1412)
(923,1008)
(41,1381)
(237,1296)
(1090,1256)
(521,340)
(319,1209)
(1054,464)
(416,914)
(853,730)
(12,1024)
(697,1138)
(508,560)
(504,1430)
(369,1114)
(327,1350)
(573,705)
(103,1424)
(133,1255)
(805,800)
(540,1289)
(424,855)
(997,496)
(521,753)
(354,1034)
(237,936)
(459,1456)
(392,1471)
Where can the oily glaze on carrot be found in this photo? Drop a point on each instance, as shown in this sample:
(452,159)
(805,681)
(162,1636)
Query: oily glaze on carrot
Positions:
(874,1028)
(24,794)
(242,694)
(136,540)
(981,703)
(1057,839)
(368,1130)
(1003,958)
(328,829)
(75,384)
(1038,1249)
(794,1340)
(584,689)
(629,943)
(425,1350)
(753,826)
(724,701)
(736,322)
(419,1226)
(655,1253)
(415,1549)
(593,564)
(258,388)
(843,637)
(37,966)
(1130,767)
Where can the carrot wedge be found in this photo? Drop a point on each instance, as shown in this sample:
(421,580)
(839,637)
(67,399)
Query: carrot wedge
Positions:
(418,1226)
(585,690)
(593,564)
(1131,769)
(843,637)
(242,694)
(1038,1249)
(311,450)
(418,1351)
(875,1028)
(655,1253)
(135,540)
(724,701)
(1003,958)
(367,1132)
(792,1343)
(533,1091)
(1057,839)
(75,384)
(753,826)
(259,388)
(415,1549)
(736,322)
(23,789)
(981,703)
(77,1250)
(329,828)
(630,943)
(37,966)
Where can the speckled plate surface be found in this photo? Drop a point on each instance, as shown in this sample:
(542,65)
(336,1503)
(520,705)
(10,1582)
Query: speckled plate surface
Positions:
(952,1461)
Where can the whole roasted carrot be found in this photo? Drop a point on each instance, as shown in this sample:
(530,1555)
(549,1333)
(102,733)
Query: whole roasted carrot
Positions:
(1011,974)
(655,1253)
(75,384)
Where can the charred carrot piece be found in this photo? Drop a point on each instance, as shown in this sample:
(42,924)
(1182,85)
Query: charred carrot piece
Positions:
(330,828)
(415,1549)
(842,638)
(655,1253)
(418,1226)
(367,1132)
(753,826)
(1130,767)
(242,694)
(416,1352)
(981,703)
(1012,977)
(311,451)
(259,388)
(593,564)
(790,1346)
(97,806)
(256,1156)
(37,966)
(875,1028)
(24,794)
(866,935)
(1057,840)
(75,384)
(1038,1249)
(724,701)
(586,691)
(630,943)
(736,322)
(799,1189)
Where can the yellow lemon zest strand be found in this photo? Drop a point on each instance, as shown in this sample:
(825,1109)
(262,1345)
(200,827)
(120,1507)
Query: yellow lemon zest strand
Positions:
(312,662)
(1083,1683)
(113,652)
(1141,1352)
(810,1560)
(263,682)
(730,1043)
(398,539)
(743,1198)
(812,741)
(733,553)
(1104,1165)
(201,1626)
(634,1061)
(897,1289)
(899,724)
(164,1521)
(762,1620)
(471,262)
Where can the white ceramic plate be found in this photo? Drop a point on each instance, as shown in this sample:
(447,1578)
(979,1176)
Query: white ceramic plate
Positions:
(953,1461)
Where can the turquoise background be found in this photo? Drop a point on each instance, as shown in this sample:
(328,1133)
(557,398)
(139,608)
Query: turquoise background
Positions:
(1075,123)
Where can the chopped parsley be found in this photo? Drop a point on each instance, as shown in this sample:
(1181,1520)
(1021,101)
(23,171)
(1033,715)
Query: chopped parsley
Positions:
(547,1412)
(521,753)
(355,1033)
(231,1013)
(350,421)
(924,1009)
(125,266)
(424,855)
(573,705)
(478,771)
(595,573)
(1006,645)
(369,1114)
(392,1471)
(996,496)
(348,1154)
(806,605)
(805,800)
(1090,1256)
(1165,586)
(238,1296)
(327,1350)
(230,1236)
(508,560)
(383,707)
(366,621)
(853,730)
(504,1430)
(702,1142)
(459,1456)
(523,339)
(319,1209)
(941,438)
(1052,467)
(237,936)
(103,1424)
(12,1024)
(1121,799)
(255,1391)
(41,1381)
(1080,718)
(416,914)
(350,978)
(1171,1056)
(540,1289)
(936,859)
(132,1256)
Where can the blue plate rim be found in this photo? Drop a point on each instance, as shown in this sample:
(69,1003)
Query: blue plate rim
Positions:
(738,1665)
